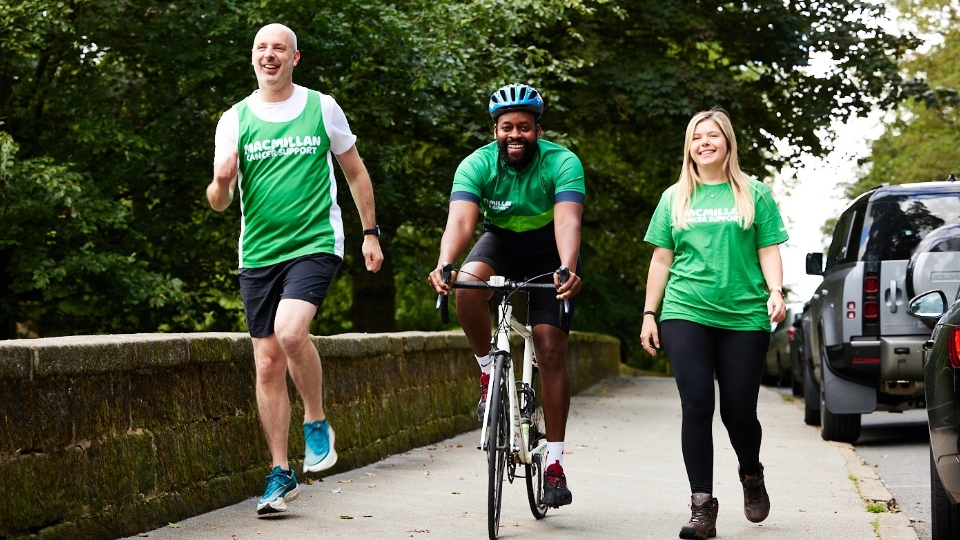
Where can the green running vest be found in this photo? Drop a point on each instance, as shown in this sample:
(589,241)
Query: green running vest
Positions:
(288,194)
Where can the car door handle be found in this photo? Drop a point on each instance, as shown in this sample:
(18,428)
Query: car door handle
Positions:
(892,296)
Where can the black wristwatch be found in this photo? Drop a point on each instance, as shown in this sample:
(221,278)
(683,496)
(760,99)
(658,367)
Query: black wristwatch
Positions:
(374,231)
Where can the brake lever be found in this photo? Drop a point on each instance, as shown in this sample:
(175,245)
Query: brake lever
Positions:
(564,275)
(446,270)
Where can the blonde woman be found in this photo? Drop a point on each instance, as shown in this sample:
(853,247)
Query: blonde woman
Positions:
(715,280)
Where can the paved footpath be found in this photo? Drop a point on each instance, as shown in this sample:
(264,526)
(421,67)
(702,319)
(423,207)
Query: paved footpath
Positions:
(626,472)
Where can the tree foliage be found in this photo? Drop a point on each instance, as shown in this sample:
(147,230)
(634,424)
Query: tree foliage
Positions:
(921,142)
(121,100)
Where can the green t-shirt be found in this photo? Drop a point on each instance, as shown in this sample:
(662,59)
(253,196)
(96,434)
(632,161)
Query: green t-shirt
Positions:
(519,201)
(715,278)
(287,188)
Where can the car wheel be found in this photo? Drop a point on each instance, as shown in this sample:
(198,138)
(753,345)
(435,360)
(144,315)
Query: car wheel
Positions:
(811,398)
(945,522)
(835,427)
(838,427)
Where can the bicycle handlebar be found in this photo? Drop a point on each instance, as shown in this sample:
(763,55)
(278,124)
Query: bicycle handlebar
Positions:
(497,283)
(506,286)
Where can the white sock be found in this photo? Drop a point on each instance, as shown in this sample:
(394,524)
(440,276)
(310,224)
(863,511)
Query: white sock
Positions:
(554,452)
(486,363)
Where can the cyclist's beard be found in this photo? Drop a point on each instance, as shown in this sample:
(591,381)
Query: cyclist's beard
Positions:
(529,151)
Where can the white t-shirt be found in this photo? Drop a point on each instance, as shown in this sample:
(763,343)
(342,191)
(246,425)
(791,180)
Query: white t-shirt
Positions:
(334,121)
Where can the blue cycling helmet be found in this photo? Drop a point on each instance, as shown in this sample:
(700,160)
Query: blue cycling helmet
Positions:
(516,97)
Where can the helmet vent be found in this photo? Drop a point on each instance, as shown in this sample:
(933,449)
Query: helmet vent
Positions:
(516,97)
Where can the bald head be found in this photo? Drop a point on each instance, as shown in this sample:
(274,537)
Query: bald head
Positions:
(273,31)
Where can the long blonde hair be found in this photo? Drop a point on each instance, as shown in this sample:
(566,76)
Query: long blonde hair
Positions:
(689,181)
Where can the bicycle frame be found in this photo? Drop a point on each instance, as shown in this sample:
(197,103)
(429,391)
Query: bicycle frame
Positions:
(511,442)
(519,433)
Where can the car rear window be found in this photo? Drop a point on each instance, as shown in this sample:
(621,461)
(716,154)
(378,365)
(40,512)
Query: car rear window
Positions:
(895,224)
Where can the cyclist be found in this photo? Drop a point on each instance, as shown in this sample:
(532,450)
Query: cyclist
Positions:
(531,193)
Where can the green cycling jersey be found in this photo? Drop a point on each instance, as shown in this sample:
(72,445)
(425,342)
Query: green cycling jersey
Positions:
(519,201)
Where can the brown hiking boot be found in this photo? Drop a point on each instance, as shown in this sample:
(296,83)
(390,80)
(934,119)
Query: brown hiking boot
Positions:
(703,519)
(756,503)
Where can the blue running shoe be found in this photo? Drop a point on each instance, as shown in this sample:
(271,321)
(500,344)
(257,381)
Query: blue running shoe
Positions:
(281,488)
(318,439)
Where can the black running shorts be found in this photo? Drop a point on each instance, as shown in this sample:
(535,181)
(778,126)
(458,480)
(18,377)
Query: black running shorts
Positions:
(306,278)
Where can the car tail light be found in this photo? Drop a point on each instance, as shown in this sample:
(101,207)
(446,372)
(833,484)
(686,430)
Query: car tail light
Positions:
(871,299)
(953,346)
(790,334)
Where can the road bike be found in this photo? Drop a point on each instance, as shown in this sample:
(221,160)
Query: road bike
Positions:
(512,433)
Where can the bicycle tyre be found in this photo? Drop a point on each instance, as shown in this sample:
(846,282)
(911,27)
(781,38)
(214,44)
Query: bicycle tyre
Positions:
(534,471)
(498,445)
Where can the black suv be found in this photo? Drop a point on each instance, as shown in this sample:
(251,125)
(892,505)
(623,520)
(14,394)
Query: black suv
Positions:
(862,352)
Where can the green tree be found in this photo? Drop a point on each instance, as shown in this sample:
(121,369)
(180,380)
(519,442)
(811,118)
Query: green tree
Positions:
(57,259)
(921,142)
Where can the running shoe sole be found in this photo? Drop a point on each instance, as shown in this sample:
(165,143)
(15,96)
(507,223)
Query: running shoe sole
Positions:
(279,504)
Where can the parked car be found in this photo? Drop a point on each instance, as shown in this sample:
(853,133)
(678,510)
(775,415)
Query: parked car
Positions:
(862,352)
(796,353)
(941,376)
(777,369)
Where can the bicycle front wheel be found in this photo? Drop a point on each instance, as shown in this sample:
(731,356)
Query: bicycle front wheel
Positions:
(498,445)
(537,439)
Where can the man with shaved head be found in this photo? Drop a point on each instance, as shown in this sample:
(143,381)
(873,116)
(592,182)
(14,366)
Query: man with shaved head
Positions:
(276,146)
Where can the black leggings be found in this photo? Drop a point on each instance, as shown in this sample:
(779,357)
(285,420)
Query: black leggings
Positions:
(696,352)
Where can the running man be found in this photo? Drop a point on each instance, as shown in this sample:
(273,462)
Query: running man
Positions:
(276,146)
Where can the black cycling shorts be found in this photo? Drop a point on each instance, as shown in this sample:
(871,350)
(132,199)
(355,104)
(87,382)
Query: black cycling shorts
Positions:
(520,257)
(306,278)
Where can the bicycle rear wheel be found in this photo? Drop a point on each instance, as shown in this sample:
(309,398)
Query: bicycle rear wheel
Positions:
(535,470)
(498,445)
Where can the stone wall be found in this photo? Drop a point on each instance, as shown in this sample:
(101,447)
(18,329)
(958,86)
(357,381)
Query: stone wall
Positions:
(108,436)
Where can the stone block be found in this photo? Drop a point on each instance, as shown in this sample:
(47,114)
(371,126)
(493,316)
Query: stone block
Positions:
(16,363)
(17,426)
(165,397)
(99,404)
(227,389)
(119,470)
(40,489)
(52,414)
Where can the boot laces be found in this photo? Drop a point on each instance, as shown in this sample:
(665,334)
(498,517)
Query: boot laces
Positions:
(701,514)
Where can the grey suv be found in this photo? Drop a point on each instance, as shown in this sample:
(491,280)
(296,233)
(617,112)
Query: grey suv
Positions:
(862,351)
